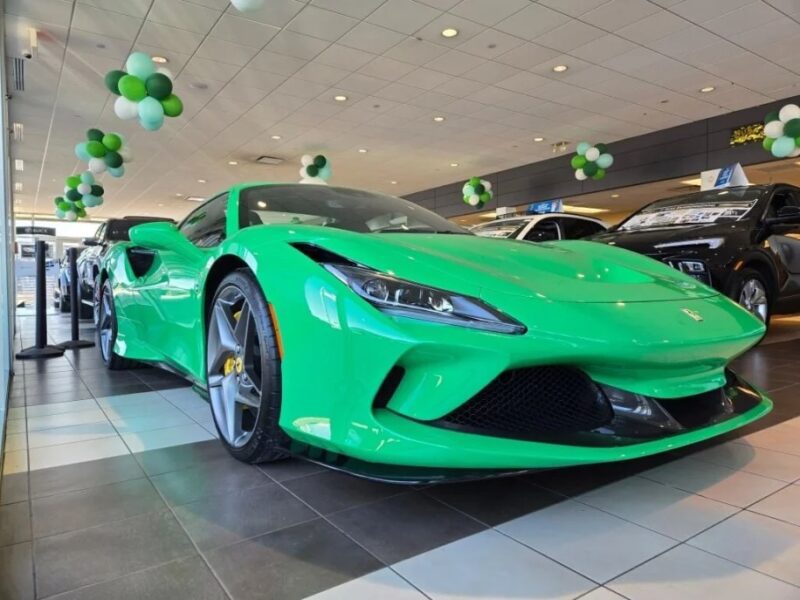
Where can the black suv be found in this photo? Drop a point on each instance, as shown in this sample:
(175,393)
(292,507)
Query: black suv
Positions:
(109,233)
(743,241)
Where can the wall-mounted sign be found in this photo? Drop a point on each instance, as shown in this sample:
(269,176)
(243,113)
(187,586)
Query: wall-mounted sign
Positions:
(747,134)
(30,230)
(546,206)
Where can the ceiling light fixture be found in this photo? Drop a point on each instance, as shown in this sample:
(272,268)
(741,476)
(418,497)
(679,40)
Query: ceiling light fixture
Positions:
(538,139)
(697,182)
(178,195)
(438,119)
(201,181)
(340,98)
(584,210)
(196,199)
(362,150)
(560,68)
(233,163)
(393,182)
(162,60)
(453,164)
(18,186)
(615,195)
(19,164)
(18,131)
(275,137)
(449,32)
(707,89)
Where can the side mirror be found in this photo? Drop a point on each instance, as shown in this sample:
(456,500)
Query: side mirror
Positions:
(787,215)
(162,235)
(91,242)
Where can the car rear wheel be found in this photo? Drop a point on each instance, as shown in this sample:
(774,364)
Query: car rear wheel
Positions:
(107,331)
(752,292)
(244,371)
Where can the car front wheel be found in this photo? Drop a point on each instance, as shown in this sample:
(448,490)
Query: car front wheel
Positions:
(751,291)
(107,331)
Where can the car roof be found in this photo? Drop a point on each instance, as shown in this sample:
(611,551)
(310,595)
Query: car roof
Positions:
(539,217)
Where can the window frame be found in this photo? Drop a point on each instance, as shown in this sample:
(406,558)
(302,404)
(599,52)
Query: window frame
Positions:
(204,206)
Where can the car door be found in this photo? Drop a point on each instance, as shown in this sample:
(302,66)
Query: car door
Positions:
(544,230)
(784,239)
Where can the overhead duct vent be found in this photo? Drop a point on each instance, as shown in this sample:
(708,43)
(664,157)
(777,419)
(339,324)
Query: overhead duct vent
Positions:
(18,71)
(269,160)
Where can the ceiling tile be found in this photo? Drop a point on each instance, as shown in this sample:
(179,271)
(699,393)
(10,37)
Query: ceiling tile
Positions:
(524,82)
(527,56)
(653,27)
(742,19)
(171,38)
(570,35)
(491,72)
(425,79)
(296,45)
(697,11)
(532,21)
(371,38)
(243,31)
(460,87)
(415,51)
(490,43)
(488,13)
(343,57)
(616,14)
(133,8)
(602,49)
(211,69)
(574,8)
(183,15)
(357,9)
(319,73)
(276,63)
(455,62)
(383,67)
(275,12)
(320,23)
(405,16)
(294,86)
(56,12)
(227,52)
(105,22)
(358,82)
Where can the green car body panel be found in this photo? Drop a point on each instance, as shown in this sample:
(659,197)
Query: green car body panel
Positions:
(625,320)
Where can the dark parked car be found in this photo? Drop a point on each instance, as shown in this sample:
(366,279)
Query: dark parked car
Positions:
(109,233)
(61,287)
(743,241)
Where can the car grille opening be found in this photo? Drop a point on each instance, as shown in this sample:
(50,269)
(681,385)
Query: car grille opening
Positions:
(534,402)
(389,387)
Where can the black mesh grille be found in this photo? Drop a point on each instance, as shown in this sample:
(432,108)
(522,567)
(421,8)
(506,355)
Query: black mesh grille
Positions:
(537,401)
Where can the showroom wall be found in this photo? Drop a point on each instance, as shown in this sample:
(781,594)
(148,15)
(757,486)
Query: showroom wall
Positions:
(677,152)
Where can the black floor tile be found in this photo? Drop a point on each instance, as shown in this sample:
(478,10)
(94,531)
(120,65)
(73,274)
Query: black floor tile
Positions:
(94,506)
(175,458)
(291,468)
(15,523)
(329,491)
(16,572)
(71,560)
(402,526)
(207,479)
(573,481)
(291,564)
(235,515)
(494,501)
(80,476)
(101,390)
(13,488)
(186,579)
(80,394)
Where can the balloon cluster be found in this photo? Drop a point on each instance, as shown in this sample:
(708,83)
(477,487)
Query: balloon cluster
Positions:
(477,191)
(80,193)
(144,91)
(245,5)
(315,169)
(591,161)
(104,151)
(782,131)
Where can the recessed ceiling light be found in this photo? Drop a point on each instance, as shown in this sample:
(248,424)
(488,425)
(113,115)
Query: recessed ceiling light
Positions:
(538,139)
(162,60)
(560,68)
(449,32)
(19,164)
(615,195)
(438,119)
(453,164)
(201,181)
(18,186)
(233,163)
(196,199)
(707,89)
(161,204)
(362,150)
(340,98)
(178,194)
(19,131)
(698,182)
(275,137)
(393,182)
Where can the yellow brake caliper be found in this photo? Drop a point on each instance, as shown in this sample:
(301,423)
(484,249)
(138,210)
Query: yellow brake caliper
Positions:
(232,363)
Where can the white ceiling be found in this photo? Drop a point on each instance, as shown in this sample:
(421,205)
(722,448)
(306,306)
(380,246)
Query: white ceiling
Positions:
(634,66)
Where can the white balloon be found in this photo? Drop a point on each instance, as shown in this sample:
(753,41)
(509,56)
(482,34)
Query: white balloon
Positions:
(97,165)
(795,152)
(788,112)
(487,185)
(71,215)
(592,154)
(474,200)
(126,109)
(306,160)
(84,188)
(580,175)
(245,5)
(774,129)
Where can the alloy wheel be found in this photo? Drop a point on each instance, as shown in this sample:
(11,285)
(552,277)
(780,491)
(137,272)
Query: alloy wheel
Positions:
(104,326)
(753,297)
(233,357)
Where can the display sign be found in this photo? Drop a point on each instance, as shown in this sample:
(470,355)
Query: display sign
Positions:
(747,134)
(546,206)
(30,230)
(729,176)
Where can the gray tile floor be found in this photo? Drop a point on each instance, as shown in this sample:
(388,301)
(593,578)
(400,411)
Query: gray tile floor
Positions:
(102,500)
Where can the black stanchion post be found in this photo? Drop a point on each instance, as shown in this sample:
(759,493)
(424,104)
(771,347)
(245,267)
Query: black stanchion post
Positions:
(41,349)
(74,304)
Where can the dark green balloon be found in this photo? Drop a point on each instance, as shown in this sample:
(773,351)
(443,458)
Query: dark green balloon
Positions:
(320,161)
(159,86)
(73,195)
(81,211)
(112,80)
(771,116)
(792,128)
(97,190)
(58,200)
(602,148)
(113,159)
(590,169)
(94,135)
(479,189)
(312,170)
(95,149)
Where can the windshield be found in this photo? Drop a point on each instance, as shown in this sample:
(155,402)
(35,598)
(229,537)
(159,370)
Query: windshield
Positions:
(713,206)
(499,229)
(342,208)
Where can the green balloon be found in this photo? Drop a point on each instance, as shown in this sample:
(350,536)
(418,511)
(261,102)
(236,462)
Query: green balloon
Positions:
(767,143)
(81,211)
(578,161)
(792,128)
(64,205)
(94,135)
(159,86)
(599,174)
(485,197)
(473,181)
(320,161)
(602,148)
(112,141)
(112,80)
(58,200)
(73,181)
(113,159)
(79,203)
(590,169)
(771,116)
(132,88)
(97,190)
(96,149)
(73,195)
(312,170)
(172,105)
(479,189)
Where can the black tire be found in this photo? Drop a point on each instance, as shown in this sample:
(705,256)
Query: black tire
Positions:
(62,305)
(266,442)
(741,288)
(111,359)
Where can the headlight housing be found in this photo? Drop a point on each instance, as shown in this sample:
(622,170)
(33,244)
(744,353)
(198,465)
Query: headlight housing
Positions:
(403,298)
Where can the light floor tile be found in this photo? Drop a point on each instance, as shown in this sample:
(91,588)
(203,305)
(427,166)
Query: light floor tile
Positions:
(66,419)
(16,412)
(602,593)
(777,438)
(784,505)
(384,584)
(457,571)
(16,441)
(742,456)
(713,481)
(184,398)
(145,408)
(15,462)
(70,434)
(687,573)
(121,399)
(67,454)
(40,410)
(147,423)
(16,426)
(761,543)
(659,507)
(162,438)
(595,543)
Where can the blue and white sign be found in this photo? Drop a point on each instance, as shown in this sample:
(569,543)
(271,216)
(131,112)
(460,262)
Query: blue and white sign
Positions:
(546,206)
(728,176)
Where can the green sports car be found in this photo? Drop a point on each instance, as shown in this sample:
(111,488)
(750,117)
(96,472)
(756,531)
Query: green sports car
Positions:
(365,332)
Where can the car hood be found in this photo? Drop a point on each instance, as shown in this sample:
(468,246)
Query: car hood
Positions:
(569,271)
(645,240)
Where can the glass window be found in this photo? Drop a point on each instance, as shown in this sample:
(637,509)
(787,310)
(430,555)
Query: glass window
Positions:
(100,232)
(780,199)
(342,208)
(502,228)
(545,230)
(575,229)
(205,226)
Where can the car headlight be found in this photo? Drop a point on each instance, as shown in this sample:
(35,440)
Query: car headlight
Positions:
(404,298)
(712,243)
